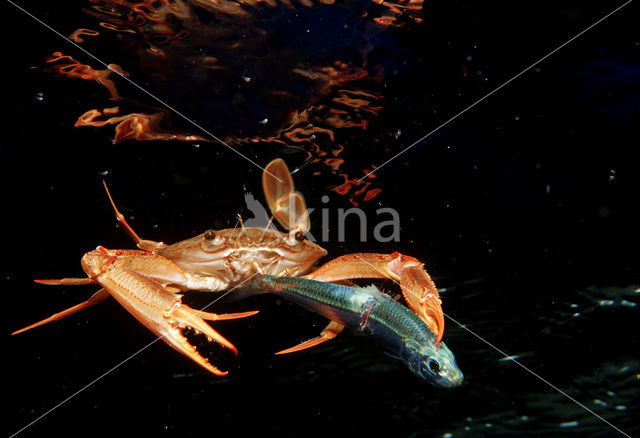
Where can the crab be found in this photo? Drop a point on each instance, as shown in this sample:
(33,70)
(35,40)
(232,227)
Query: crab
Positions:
(222,260)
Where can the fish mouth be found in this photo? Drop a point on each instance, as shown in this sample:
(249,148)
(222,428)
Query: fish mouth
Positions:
(450,378)
(452,381)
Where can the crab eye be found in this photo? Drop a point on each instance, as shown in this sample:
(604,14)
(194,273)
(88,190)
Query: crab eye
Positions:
(299,236)
(210,235)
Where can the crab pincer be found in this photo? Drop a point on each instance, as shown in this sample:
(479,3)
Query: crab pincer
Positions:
(150,296)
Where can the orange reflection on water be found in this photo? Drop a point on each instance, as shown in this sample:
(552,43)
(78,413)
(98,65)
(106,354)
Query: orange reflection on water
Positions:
(354,188)
(116,28)
(409,8)
(68,67)
(371,194)
(79,33)
(134,126)
(320,128)
(320,105)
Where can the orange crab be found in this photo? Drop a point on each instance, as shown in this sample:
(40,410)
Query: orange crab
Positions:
(230,256)
(224,259)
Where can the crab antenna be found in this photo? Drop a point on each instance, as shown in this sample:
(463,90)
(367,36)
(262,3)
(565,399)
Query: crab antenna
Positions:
(266,228)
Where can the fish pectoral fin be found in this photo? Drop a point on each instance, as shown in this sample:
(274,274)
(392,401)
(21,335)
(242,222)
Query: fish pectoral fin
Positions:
(330,331)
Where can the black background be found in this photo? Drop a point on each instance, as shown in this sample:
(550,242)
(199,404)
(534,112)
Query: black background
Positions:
(512,206)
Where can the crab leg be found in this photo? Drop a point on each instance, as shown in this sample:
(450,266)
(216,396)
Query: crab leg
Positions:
(330,331)
(287,206)
(102,295)
(418,289)
(96,298)
(67,281)
(144,244)
(222,317)
(156,267)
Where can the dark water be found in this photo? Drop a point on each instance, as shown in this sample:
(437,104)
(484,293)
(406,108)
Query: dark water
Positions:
(524,210)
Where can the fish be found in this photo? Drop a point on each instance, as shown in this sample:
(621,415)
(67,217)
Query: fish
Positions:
(369,311)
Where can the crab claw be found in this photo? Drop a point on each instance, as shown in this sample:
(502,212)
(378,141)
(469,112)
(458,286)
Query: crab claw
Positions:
(157,306)
(422,298)
(186,316)
(181,316)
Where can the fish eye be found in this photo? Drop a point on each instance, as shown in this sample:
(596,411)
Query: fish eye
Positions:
(431,366)
(299,236)
(210,235)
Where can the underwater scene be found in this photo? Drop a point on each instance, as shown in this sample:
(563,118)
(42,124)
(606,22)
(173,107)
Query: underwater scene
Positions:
(341,217)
